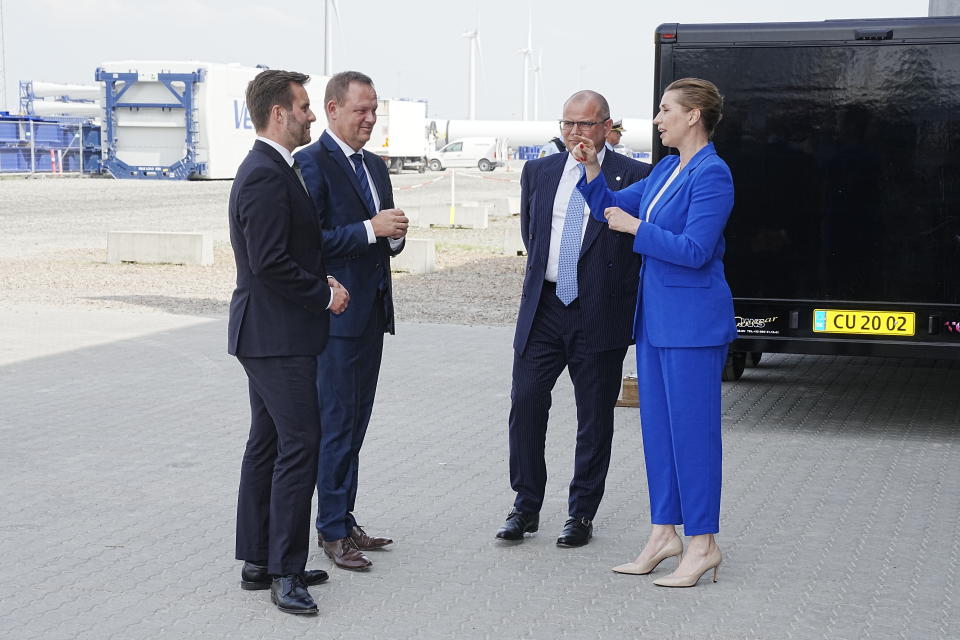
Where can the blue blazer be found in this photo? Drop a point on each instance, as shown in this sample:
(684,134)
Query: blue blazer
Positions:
(361,267)
(279,307)
(684,299)
(608,268)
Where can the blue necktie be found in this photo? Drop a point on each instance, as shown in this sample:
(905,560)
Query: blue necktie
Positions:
(362,178)
(570,247)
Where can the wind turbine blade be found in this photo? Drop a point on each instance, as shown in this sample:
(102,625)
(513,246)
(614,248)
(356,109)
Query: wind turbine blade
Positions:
(336,13)
(476,39)
(530,29)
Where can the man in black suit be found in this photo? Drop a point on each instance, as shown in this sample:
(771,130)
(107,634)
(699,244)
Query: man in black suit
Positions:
(576,311)
(279,318)
(361,231)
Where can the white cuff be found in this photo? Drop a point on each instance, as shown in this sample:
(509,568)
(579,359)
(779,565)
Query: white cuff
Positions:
(371,237)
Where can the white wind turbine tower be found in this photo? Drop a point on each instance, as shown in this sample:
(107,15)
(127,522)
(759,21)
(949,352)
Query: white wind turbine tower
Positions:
(536,86)
(527,54)
(474,48)
(329,10)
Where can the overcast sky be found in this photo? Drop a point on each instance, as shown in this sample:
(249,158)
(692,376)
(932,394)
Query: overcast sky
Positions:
(411,48)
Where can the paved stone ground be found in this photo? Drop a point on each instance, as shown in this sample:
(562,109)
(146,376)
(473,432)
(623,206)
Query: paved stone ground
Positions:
(119,466)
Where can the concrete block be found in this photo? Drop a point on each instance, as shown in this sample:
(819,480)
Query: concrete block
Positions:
(413,215)
(466,216)
(419,255)
(513,205)
(167,247)
(513,242)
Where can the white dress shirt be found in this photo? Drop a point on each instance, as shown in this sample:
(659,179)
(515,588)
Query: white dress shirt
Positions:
(348,151)
(568,182)
(282,150)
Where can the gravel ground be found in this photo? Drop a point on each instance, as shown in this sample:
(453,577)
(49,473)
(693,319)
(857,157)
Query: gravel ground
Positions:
(53,236)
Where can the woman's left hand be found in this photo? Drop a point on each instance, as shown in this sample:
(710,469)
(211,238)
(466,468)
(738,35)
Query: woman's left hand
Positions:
(620,220)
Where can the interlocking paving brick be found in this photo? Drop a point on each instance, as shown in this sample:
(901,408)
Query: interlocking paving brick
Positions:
(120,463)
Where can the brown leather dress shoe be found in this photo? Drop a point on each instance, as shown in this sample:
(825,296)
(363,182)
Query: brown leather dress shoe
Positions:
(345,555)
(367,543)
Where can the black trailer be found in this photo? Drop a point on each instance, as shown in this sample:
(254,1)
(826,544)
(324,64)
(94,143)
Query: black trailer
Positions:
(843,138)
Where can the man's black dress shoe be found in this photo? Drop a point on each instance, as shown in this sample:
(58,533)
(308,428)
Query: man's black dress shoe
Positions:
(576,533)
(254,577)
(290,595)
(517,524)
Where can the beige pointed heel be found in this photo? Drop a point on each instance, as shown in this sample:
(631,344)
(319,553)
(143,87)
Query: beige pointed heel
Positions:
(712,561)
(672,548)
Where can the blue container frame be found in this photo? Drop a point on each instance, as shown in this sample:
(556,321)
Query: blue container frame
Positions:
(179,170)
(18,139)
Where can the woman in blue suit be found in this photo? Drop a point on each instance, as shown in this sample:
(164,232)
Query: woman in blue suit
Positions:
(683,325)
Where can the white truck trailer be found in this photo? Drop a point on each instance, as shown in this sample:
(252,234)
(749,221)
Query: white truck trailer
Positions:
(400,135)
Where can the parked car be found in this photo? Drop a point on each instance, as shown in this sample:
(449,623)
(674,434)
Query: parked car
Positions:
(484,153)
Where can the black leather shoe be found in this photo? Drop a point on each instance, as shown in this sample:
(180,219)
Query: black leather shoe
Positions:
(254,577)
(576,532)
(517,524)
(290,595)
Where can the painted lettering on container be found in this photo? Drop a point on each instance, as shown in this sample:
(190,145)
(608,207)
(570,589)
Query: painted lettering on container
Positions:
(241,117)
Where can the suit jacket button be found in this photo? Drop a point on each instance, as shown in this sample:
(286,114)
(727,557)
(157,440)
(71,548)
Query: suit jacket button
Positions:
(609,265)
(531,235)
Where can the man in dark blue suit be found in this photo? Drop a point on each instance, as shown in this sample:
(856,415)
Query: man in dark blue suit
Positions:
(576,311)
(361,231)
(279,318)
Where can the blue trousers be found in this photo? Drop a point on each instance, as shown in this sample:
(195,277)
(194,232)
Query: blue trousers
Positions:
(348,370)
(679,391)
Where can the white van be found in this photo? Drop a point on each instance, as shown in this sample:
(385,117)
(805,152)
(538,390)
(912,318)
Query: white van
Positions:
(484,153)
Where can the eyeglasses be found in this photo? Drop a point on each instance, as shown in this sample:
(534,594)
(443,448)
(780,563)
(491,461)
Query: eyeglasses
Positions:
(570,124)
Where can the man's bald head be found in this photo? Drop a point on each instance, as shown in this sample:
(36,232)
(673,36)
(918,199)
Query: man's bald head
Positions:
(590,97)
(586,106)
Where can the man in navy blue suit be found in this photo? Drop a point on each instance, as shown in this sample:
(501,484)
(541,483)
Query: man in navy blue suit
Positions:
(361,231)
(576,312)
(279,317)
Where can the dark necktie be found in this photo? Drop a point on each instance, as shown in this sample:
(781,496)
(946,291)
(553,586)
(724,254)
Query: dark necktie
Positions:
(362,179)
(296,170)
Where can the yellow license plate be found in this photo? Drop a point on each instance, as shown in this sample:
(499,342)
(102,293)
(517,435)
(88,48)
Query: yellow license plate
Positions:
(875,323)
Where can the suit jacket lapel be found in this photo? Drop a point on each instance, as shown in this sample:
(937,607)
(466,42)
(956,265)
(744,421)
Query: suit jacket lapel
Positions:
(336,153)
(376,176)
(593,227)
(679,180)
(544,214)
(274,155)
(669,193)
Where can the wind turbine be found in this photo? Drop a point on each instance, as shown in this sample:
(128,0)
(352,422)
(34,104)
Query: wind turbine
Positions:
(527,54)
(536,86)
(328,37)
(474,52)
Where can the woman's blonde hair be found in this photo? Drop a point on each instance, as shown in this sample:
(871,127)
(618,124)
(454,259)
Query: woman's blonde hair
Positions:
(695,93)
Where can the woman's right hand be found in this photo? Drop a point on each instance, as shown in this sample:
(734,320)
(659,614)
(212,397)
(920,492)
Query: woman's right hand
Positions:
(585,152)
